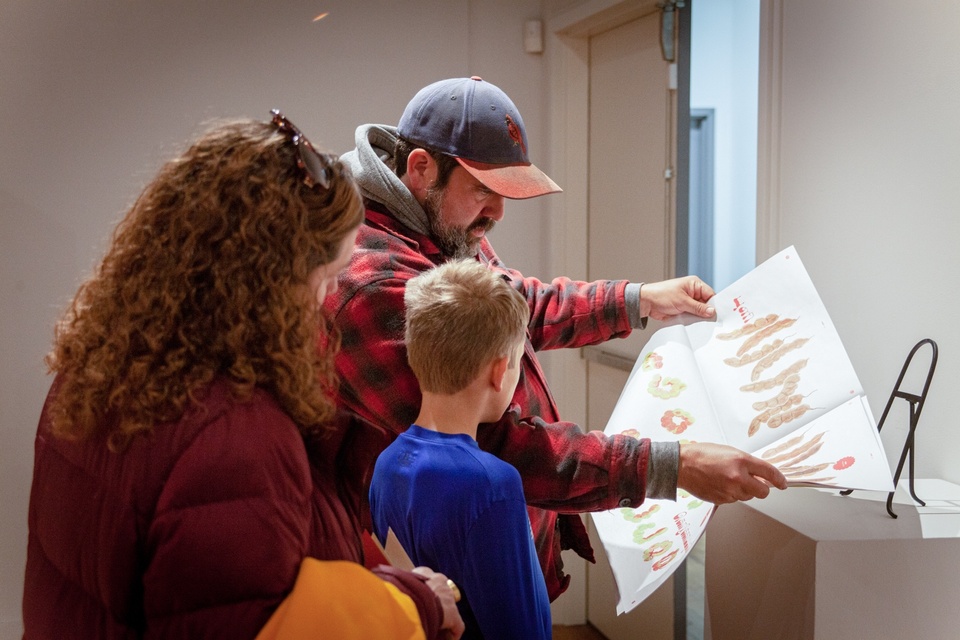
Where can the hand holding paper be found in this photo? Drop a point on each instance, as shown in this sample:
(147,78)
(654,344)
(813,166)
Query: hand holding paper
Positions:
(662,300)
(741,476)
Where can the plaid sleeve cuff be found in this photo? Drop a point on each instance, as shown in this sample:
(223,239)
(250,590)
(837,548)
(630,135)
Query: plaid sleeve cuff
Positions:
(662,470)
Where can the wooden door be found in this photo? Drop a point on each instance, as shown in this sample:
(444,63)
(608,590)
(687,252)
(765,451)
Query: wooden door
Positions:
(631,210)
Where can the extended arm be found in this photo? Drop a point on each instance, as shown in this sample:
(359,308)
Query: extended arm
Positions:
(565,469)
(567,313)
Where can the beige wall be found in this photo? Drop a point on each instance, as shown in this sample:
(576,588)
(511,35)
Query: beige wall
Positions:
(864,178)
(94,95)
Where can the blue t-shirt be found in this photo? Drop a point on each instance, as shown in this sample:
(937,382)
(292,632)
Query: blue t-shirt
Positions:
(461,511)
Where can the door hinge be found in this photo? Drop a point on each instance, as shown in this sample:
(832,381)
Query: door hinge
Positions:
(668,41)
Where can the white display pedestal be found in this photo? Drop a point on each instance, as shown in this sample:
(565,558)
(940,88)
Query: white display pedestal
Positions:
(805,564)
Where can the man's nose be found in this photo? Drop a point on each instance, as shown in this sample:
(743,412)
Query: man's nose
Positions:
(494,209)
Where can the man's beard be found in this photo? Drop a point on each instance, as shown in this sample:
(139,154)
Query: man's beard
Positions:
(454,242)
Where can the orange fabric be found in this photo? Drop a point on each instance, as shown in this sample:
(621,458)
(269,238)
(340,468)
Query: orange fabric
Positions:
(340,599)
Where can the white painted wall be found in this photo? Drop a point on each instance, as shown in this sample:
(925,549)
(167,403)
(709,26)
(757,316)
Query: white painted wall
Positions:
(94,95)
(864,179)
(723,76)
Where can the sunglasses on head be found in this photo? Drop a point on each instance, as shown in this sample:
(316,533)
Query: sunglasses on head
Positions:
(317,167)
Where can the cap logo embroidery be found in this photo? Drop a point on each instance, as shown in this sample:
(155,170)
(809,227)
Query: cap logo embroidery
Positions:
(515,134)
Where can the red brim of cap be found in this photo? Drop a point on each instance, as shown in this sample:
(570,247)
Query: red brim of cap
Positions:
(515,181)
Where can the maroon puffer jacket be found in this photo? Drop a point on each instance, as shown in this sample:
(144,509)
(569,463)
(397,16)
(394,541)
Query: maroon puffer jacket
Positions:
(195,531)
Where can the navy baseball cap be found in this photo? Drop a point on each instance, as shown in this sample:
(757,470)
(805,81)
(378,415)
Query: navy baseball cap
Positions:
(476,123)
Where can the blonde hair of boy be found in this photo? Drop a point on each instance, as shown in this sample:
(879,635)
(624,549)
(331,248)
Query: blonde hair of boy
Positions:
(459,317)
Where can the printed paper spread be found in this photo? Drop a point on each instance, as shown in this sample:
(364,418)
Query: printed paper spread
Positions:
(769,376)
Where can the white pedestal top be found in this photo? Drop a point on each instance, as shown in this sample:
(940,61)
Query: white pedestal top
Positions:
(826,515)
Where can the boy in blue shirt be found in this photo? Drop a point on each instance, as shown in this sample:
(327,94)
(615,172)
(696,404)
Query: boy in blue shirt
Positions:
(452,506)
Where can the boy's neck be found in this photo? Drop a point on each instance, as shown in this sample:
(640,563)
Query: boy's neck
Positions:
(449,413)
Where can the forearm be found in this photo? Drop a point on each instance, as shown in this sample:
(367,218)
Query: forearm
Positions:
(567,313)
(566,470)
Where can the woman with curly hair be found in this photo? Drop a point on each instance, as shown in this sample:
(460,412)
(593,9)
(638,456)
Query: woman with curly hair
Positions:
(172,494)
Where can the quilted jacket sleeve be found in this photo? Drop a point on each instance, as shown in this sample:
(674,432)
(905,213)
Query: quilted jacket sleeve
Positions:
(230,529)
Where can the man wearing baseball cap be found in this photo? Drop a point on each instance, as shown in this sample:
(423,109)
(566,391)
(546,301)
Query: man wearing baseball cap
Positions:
(434,185)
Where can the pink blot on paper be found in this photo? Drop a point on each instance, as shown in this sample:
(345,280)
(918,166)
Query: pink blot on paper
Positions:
(844,463)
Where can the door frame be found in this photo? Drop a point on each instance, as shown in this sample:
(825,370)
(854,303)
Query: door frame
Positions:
(768,129)
(701,212)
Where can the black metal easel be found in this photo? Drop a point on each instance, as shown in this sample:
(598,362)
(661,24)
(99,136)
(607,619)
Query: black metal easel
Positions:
(916,406)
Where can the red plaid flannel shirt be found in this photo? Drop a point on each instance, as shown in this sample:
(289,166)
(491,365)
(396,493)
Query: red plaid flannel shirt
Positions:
(564,470)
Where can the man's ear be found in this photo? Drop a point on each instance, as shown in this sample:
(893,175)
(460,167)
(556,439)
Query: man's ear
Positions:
(498,369)
(421,173)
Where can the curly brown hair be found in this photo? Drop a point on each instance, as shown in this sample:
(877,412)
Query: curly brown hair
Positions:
(205,277)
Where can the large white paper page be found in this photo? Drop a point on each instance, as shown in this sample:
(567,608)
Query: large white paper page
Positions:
(769,376)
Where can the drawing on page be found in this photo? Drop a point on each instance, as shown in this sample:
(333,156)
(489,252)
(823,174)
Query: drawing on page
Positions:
(786,405)
(789,455)
(652,361)
(676,420)
(665,388)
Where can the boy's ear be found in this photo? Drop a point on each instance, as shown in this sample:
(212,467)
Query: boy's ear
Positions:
(498,369)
